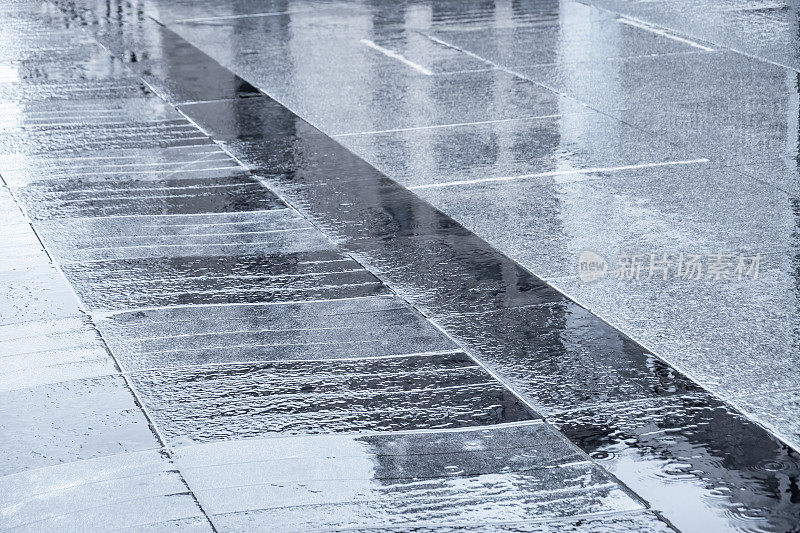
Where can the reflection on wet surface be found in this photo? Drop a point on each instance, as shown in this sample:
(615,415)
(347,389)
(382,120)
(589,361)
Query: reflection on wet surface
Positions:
(503,474)
(202,404)
(123,284)
(719,468)
(70,199)
(234,318)
(338,329)
(477,152)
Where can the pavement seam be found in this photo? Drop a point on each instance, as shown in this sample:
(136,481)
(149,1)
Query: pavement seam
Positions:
(637,23)
(720,47)
(553,90)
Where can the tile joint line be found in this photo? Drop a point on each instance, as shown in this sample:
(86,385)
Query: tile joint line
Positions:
(397,56)
(559,173)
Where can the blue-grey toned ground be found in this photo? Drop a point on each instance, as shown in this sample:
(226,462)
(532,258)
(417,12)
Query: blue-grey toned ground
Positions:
(313,265)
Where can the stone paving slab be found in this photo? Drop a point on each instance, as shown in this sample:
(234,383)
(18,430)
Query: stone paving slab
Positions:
(51,351)
(155,282)
(557,148)
(106,492)
(580,33)
(203,159)
(63,422)
(427,53)
(35,293)
(277,231)
(542,222)
(343,329)
(204,403)
(415,479)
(762,28)
(561,356)
(74,90)
(74,199)
(666,81)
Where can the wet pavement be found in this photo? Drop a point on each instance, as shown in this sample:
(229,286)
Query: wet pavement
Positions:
(275,265)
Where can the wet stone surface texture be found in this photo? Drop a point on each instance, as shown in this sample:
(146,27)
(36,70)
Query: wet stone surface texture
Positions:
(300,266)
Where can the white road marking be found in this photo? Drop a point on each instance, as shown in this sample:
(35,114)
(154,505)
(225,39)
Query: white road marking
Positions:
(242,16)
(438,126)
(645,26)
(557,173)
(395,55)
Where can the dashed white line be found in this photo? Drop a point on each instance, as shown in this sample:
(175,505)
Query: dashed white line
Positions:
(648,27)
(397,56)
(557,173)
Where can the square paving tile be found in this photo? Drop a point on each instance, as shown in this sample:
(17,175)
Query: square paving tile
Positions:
(184,336)
(71,421)
(137,489)
(494,474)
(579,33)
(572,142)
